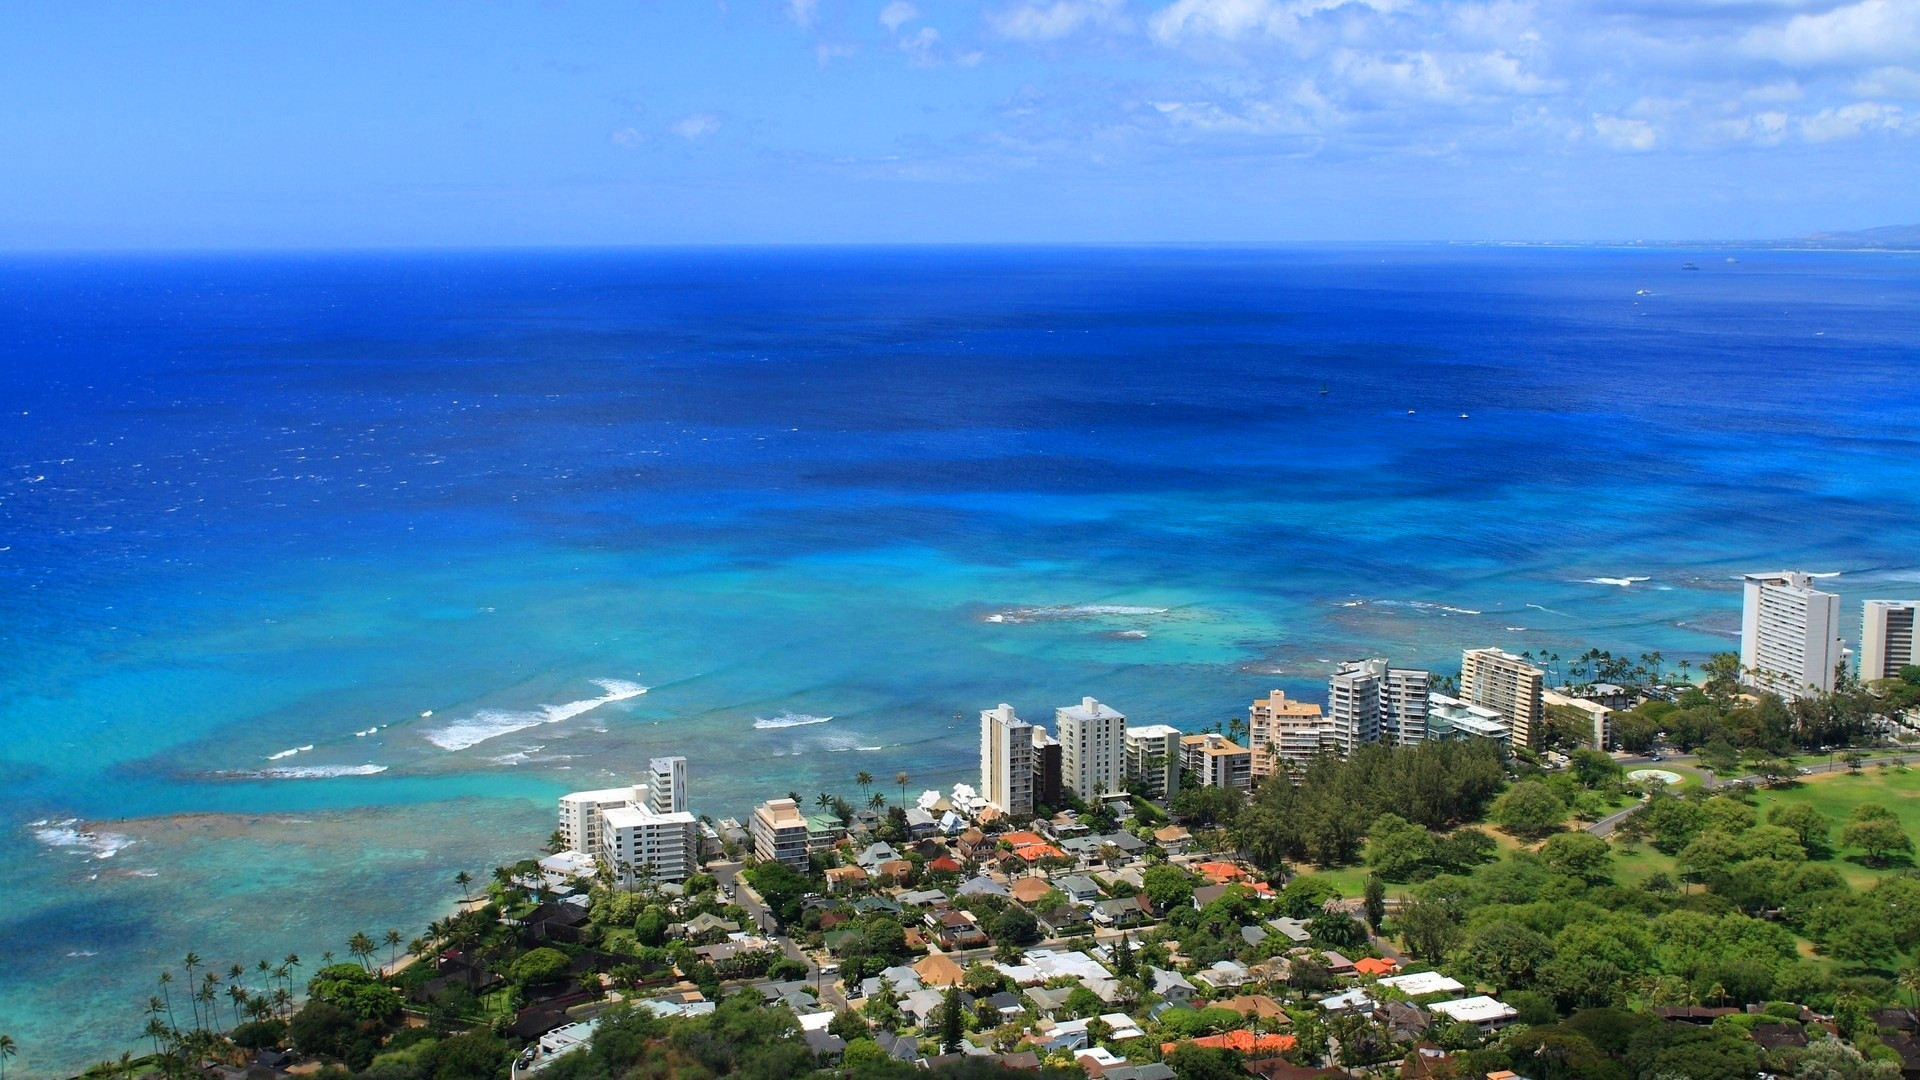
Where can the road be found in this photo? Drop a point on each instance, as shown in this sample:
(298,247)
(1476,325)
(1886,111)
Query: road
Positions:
(728,874)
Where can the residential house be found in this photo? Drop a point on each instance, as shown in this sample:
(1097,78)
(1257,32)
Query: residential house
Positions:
(1078,888)
(1224,974)
(842,878)
(983,886)
(1374,966)
(1173,839)
(1171,985)
(1293,930)
(1063,920)
(1029,890)
(1244,1043)
(938,969)
(1123,911)
(957,930)
(1338,966)
(1420,983)
(1481,1011)
(1255,1007)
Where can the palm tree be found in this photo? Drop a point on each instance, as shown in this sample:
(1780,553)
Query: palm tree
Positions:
(877,800)
(292,964)
(238,995)
(393,940)
(166,980)
(1910,982)
(823,800)
(155,1031)
(901,778)
(795,796)
(361,946)
(326,958)
(865,780)
(464,879)
(192,961)
(8,1048)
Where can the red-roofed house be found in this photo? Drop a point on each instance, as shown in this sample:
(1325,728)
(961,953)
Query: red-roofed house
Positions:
(1242,1042)
(1219,873)
(1373,966)
(945,864)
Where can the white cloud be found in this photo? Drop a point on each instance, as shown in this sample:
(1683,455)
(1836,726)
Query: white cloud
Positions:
(696,126)
(922,46)
(898,14)
(1624,133)
(1047,22)
(826,53)
(1871,30)
(1850,121)
(629,137)
(1889,82)
(803,11)
(1229,19)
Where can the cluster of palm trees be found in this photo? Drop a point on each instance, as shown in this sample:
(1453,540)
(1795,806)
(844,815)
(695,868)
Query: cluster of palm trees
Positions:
(827,800)
(201,989)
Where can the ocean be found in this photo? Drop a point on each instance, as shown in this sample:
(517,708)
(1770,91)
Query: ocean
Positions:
(322,575)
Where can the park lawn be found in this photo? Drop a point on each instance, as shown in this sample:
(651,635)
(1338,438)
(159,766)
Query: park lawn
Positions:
(1836,794)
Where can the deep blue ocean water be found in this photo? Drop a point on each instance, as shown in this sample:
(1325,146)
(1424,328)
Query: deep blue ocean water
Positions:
(250,505)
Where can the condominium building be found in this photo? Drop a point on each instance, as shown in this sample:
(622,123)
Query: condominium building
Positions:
(624,828)
(1217,761)
(779,832)
(1599,716)
(1153,759)
(1449,718)
(1403,706)
(1788,628)
(1353,704)
(1500,681)
(1281,731)
(580,815)
(667,786)
(1093,746)
(1886,639)
(636,840)
(1006,760)
(1046,770)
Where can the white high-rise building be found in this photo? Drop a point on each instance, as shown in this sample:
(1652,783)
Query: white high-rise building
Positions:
(1093,747)
(1282,732)
(1788,629)
(1372,701)
(1006,760)
(667,790)
(1886,638)
(1153,759)
(1508,685)
(625,828)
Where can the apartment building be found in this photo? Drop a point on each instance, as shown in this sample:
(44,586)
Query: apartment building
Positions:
(1283,731)
(779,832)
(667,785)
(1006,760)
(1788,628)
(1449,718)
(1093,746)
(1153,759)
(639,826)
(1500,681)
(1886,638)
(1217,761)
(1047,786)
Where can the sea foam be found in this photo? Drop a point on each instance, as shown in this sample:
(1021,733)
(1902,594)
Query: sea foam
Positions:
(68,835)
(787,720)
(284,754)
(1070,611)
(302,772)
(493,723)
(1623,582)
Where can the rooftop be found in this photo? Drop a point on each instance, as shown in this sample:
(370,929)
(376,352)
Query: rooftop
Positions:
(1088,709)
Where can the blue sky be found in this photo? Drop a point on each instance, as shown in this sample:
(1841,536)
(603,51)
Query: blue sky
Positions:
(329,124)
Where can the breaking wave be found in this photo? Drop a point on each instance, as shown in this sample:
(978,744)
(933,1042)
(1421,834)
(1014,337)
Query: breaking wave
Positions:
(302,772)
(1623,582)
(284,754)
(493,723)
(69,836)
(1070,611)
(787,720)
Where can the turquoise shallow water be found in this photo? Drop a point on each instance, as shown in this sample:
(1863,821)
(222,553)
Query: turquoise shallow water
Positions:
(255,505)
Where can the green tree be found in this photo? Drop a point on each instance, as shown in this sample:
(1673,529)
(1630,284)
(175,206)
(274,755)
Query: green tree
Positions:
(1529,809)
(537,966)
(953,1022)
(1374,902)
(1191,1062)
(1874,829)
(1812,827)
(1124,964)
(1429,928)
(1167,886)
(1579,855)
(8,1049)
(1398,850)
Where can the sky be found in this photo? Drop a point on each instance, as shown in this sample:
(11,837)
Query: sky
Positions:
(325,125)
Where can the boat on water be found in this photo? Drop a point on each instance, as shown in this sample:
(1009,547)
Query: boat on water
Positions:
(1463,416)
(1323,389)
(1688,266)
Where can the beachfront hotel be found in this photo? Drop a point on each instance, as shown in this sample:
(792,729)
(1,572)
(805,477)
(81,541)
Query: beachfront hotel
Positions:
(1093,747)
(1510,687)
(779,832)
(1787,634)
(640,826)
(1153,759)
(1886,638)
(1006,760)
(1283,731)
(1450,719)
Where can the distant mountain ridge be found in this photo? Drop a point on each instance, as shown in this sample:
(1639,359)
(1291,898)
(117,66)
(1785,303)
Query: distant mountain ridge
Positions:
(1891,237)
